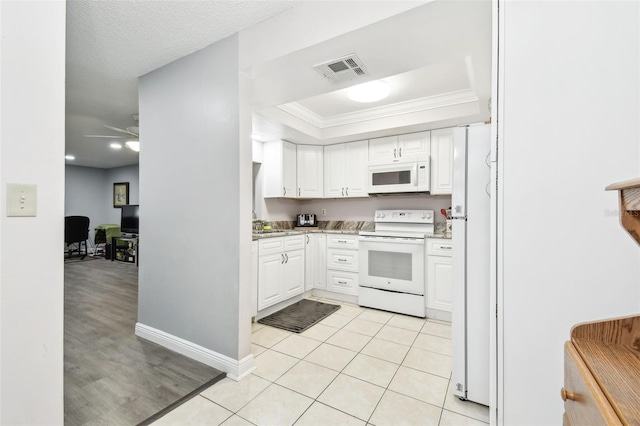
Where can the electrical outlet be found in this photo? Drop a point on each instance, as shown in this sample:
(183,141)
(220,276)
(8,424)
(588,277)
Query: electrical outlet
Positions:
(324,212)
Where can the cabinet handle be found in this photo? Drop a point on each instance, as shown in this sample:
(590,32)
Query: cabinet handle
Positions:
(286,257)
(307,238)
(445,247)
(342,282)
(342,260)
(347,191)
(343,192)
(394,152)
(284,191)
(342,241)
(298,192)
(282,256)
(565,394)
(400,152)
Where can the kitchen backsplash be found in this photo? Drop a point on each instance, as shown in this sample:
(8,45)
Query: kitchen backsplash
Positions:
(338,225)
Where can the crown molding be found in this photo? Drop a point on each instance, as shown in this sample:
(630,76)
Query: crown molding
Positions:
(407,107)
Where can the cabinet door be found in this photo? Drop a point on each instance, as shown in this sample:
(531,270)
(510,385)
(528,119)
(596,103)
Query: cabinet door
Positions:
(355,170)
(414,145)
(270,276)
(439,283)
(320,280)
(310,260)
(279,169)
(254,278)
(315,261)
(289,170)
(441,161)
(293,273)
(383,150)
(334,171)
(310,171)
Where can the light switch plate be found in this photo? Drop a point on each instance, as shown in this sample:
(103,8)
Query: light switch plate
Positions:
(22,199)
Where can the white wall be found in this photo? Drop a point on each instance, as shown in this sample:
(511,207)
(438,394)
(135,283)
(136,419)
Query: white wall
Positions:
(569,127)
(85,195)
(190,201)
(32,85)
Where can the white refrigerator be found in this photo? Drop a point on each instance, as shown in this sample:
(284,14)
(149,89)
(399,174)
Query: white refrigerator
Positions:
(470,210)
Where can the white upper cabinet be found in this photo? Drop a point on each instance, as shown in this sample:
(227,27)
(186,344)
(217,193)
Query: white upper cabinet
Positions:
(441,161)
(345,170)
(383,150)
(399,148)
(279,170)
(310,171)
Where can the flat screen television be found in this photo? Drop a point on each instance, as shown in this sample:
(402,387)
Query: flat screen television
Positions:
(129,219)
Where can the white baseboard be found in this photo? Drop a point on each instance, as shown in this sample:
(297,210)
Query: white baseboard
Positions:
(235,369)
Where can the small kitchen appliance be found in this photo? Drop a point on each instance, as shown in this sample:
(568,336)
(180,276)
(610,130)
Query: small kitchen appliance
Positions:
(392,261)
(306,220)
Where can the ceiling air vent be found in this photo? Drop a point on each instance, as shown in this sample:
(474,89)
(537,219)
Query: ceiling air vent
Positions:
(342,69)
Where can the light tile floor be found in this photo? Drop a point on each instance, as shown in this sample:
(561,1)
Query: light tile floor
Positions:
(358,366)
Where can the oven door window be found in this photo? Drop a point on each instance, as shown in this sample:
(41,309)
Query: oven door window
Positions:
(393,265)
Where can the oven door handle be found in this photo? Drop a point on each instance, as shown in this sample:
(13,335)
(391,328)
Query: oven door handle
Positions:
(382,240)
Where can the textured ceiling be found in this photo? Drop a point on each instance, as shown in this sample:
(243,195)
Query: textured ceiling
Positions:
(111,43)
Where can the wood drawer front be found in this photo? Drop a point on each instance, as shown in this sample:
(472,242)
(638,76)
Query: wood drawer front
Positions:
(294,242)
(342,241)
(343,260)
(439,247)
(589,405)
(271,245)
(342,282)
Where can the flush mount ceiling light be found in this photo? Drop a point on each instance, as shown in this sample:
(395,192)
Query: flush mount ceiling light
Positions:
(369,92)
(69,157)
(116,145)
(133,145)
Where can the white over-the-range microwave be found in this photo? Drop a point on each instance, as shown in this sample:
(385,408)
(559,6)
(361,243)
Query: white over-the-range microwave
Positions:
(400,177)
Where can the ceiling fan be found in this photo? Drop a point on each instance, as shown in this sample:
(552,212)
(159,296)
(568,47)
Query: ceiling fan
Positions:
(131,133)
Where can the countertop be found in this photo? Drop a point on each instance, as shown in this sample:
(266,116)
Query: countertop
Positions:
(286,228)
(287,232)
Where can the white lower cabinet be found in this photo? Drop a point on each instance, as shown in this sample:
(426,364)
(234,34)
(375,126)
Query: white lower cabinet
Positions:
(342,263)
(281,269)
(254,278)
(439,279)
(316,261)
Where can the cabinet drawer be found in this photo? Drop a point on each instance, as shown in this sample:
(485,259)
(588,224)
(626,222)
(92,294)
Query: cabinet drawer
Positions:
(343,260)
(586,405)
(439,247)
(294,242)
(342,282)
(271,245)
(342,241)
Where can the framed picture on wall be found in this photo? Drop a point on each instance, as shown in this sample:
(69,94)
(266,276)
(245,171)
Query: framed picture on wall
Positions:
(120,194)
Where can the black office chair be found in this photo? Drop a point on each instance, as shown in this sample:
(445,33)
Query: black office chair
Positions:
(76,232)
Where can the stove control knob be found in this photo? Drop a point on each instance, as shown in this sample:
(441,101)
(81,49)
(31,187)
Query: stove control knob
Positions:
(377,215)
(382,215)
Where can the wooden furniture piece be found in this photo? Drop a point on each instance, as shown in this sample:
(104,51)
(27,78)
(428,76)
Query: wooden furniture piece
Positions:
(629,205)
(602,373)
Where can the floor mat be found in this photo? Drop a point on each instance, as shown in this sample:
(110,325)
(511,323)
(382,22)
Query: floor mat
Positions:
(300,316)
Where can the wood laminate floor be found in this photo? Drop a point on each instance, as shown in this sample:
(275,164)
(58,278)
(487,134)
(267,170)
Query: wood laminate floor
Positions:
(112,377)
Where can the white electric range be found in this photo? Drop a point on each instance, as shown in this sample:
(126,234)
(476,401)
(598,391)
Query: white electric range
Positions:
(392,261)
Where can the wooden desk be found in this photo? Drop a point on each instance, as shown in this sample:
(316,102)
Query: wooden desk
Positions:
(602,373)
